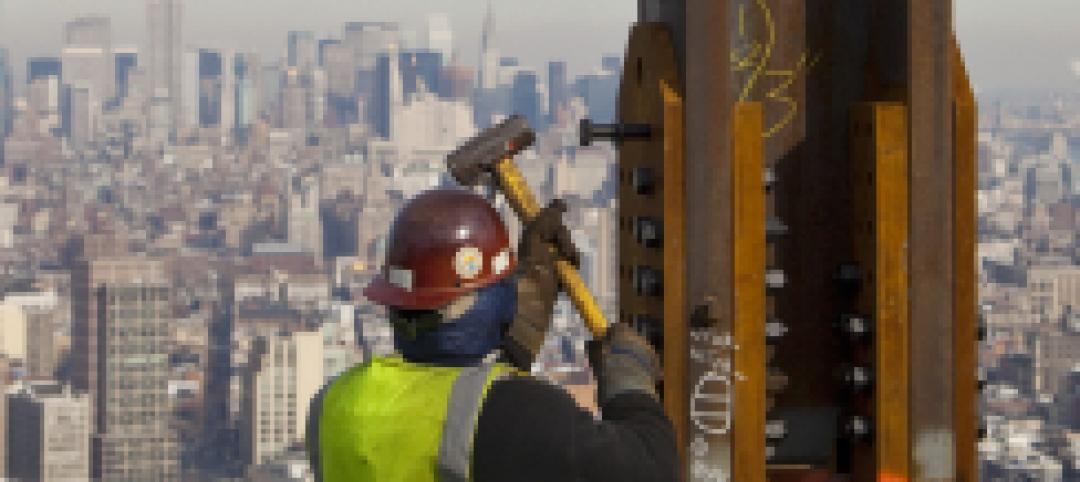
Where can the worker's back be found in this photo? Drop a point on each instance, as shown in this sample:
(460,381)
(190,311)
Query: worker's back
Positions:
(392,420)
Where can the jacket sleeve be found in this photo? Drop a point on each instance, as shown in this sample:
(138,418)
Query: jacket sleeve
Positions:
(311,433)
(530,430)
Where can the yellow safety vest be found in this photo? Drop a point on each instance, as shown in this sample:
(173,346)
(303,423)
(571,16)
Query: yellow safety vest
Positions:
(395,421)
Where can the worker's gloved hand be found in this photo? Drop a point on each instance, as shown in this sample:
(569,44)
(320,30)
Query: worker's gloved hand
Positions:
(544,240)
(623,362)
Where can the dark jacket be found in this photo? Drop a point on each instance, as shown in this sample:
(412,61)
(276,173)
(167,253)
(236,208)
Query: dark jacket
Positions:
(531,430)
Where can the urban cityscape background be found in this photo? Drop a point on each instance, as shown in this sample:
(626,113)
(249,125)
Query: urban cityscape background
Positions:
(185,229)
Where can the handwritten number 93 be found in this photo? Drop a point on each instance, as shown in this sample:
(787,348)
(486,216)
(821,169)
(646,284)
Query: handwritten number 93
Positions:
(755,59)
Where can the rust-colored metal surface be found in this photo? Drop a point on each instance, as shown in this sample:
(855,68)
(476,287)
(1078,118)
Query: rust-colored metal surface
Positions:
(965,291)
(676,335)
(807,63)
(748,310)
(932,239)
(652,257)
(880,184)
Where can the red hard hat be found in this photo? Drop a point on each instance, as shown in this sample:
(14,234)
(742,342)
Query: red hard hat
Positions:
(444,243)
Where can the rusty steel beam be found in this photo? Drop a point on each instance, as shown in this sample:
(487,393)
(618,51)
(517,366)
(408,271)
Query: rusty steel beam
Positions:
(880,181)
(929,99)
(965,290)
(676,329)
(649,96)
(748,310)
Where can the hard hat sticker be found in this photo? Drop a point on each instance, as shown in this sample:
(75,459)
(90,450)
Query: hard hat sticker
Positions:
(500,262)
(402,278)
(468,262)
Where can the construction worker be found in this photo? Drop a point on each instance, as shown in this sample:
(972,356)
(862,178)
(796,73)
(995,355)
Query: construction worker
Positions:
(444,408)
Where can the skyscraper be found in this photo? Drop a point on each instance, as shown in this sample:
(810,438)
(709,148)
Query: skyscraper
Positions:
(489,55)
(524,98)
(599,93)
(39,67)
(189,90)
(80,115)
(5,97)
(125,60)
(120,308)
(48,436)
(246,71)
(388,92)
(285,372)
(420,68)
(88,66)
(368,40)
(437,36)
(302,51)
(295,108)
(45,96)
(215,93)
(87,54)
(557,95)
(164,60)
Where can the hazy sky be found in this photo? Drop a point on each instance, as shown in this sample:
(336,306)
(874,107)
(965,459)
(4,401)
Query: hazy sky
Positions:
(1008,43)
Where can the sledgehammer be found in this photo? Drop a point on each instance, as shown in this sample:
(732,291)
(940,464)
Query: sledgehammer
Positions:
(492,151)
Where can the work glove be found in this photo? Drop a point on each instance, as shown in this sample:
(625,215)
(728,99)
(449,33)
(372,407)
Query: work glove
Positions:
(623,362)
(544,240)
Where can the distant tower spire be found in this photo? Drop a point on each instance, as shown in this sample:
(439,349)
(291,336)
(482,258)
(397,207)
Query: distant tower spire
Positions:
(489,56)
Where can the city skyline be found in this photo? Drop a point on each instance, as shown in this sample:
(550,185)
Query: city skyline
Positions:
(188,219)
(220,25)
(1002,50)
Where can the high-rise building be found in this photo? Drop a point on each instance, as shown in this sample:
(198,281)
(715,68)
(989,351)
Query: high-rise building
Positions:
(342,105)
(88,66)
(387,93)
(284,373)
(271,83)
(247,78)
(164,59)
(294,101)
(325,45)
(420,70)
(216,90)
(438,36)
(120,308)
(189,89)
(489,55)
(48,436)
(304,225)
(335,57)
(302,51)
(12,331)
(6,89)
(611,64)
(45,104)
(557,90)
(47,109)
(87,56)
(368,40)
(32,318)
(38,67)
(457,82)
(126,60)
(79,115)
(525,100)
(599,91)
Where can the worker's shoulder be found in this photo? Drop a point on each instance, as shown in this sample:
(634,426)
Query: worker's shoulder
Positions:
(350,376)
(526,391)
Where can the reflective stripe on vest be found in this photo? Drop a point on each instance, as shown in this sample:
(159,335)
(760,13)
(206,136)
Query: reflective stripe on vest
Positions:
(391,420)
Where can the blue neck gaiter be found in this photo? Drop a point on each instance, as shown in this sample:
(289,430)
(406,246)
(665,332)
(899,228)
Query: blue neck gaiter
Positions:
(469,338)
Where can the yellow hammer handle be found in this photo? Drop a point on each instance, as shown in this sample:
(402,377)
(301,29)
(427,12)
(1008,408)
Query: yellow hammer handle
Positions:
(524,204)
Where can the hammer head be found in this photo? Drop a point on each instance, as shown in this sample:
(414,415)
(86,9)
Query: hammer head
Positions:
(480,153)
